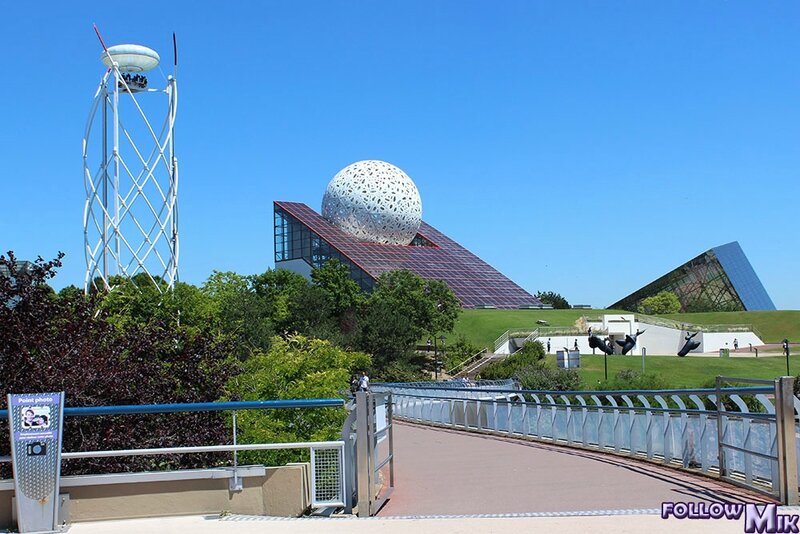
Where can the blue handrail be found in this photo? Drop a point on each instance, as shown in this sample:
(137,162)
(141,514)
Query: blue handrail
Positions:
(197,407)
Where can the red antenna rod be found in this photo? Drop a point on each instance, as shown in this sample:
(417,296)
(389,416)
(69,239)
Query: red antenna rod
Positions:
(99,37)
(175,49)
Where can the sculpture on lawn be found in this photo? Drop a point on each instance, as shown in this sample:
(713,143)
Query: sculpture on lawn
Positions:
(630,341)
(690,344)
(597,343)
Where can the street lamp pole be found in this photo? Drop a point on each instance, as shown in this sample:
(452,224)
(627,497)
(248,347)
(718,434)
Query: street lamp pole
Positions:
(438,361)
(435,360)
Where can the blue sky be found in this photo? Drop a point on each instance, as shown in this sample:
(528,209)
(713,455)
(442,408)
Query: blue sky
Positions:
(579,147)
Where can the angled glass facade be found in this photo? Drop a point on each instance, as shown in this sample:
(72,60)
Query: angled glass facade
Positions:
(305,240)
(720,279)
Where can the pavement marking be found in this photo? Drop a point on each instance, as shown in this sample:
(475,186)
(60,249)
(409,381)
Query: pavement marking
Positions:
(576,513)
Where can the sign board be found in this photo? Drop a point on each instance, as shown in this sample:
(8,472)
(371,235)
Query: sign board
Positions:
(36,421)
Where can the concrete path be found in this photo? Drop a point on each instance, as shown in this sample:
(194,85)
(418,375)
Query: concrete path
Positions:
(627,524)
(457,474)
(448,472)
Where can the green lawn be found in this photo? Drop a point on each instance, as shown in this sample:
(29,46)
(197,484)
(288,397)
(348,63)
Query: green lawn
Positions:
(482,327)
(691,371)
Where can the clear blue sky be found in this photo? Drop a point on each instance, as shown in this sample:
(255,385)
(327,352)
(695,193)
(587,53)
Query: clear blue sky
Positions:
(580,147)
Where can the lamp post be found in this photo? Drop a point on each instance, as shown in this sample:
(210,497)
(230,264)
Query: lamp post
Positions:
(437,363)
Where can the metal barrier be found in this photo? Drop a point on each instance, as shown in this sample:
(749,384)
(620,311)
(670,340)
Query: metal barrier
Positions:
(744,434)
(328,467)
(367,430)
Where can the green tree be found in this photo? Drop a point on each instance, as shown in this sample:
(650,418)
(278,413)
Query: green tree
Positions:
(293,368)
(660,303)
(238,313)
(278,288)
(140,299)
(341,291)
(554,299)
(70,342)
(402,310)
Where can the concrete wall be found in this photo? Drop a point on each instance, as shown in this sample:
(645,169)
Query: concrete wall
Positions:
(656,340)
(712,341)
(274,491)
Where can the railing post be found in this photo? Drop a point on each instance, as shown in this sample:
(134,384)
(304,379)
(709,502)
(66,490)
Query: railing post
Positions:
(363,453)
(787,441)
(236,482)
(720,430)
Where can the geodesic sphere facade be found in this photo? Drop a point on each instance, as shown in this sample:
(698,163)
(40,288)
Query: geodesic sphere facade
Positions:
(374,201)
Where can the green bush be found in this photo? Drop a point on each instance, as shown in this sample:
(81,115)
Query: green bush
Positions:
(628,379)
(539,377)
(531,353)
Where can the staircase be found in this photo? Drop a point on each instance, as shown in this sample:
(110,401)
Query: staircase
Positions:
(474,367)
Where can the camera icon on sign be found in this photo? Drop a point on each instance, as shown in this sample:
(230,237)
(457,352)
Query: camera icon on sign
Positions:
(36,448)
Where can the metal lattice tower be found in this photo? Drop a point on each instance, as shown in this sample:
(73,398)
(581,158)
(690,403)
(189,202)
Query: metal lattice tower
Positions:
(131,173)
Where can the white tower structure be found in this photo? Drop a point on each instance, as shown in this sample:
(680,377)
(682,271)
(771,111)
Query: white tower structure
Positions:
(130,171)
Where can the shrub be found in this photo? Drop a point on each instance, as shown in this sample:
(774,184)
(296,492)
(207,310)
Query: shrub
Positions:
(543,378)
(531,353)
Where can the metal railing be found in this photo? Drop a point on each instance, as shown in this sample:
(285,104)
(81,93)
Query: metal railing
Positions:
(500,341)
(460,366)
(678,428)
(327,457)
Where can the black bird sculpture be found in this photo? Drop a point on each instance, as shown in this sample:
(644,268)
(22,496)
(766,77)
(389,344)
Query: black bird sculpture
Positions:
(690,344)
(597,343)
(630,341)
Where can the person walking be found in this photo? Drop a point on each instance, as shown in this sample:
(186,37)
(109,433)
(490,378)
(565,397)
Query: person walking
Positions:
(735,344)
(548,345)
(576,345)
(363,383)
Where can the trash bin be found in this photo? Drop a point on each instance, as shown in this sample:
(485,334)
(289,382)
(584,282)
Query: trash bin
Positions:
(568,360)
(724,353)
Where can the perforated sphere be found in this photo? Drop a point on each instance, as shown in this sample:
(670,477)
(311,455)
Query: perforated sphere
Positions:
(374,201)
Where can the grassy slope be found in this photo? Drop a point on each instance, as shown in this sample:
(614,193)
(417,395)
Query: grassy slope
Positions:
(482,327)
(773,325)
(692,371)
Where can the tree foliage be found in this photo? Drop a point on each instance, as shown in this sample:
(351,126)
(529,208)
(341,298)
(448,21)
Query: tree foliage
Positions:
(554,299)
(402,310)
(72,343)
(274,335)
(660,303)
(293,368)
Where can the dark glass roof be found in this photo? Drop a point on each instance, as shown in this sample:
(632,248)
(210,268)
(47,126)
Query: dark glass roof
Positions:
(475,283)
(744,279)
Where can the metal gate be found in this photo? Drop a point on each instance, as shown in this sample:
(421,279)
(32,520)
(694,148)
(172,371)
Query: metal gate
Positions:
(369,453)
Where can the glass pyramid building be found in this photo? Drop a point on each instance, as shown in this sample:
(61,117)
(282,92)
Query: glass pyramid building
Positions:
(720,279)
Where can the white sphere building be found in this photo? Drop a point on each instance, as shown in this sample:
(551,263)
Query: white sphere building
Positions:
(371,222)
(374,201)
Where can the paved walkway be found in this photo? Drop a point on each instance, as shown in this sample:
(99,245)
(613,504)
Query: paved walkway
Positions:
(629,524)
(472,478)
(449,472)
